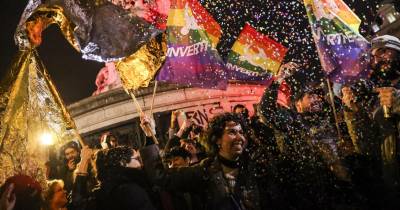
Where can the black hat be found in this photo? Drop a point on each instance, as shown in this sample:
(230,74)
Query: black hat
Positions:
(386,41)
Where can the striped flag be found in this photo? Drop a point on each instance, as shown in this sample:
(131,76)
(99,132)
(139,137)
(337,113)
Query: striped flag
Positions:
(192,59)
(254,56)
(206,21)
(343,52)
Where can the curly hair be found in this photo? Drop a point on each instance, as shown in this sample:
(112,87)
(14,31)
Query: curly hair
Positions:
(217,126)
(109,159)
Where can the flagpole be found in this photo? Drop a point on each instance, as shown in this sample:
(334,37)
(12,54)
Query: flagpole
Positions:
(130,91)
(154,94)
(331,96)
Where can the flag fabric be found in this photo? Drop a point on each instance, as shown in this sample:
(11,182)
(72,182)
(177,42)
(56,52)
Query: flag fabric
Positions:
(206,21)
(138,69)
(154,11)
(192,59)
(101,31)
(254,57)
(107,32)
(342,50)
(30,108)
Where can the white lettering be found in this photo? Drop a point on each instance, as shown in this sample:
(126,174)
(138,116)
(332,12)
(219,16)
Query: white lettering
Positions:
(242,70)
(196,49)
(183,51)
(331,39)
(340,39)
(319,34)
(188,50)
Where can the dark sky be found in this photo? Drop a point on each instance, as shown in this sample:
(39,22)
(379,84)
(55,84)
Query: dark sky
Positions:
(282,20)
(74,77)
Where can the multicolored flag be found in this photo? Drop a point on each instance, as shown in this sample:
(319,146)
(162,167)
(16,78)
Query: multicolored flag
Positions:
(192,59)
(342,50)
(254,57)
(206,22)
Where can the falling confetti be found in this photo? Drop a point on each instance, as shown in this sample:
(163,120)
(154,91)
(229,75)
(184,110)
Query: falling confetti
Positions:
(284,21)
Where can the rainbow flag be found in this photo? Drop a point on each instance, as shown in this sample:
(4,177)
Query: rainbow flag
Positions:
(206,21)
(192,59)
(343,52)
(254,56)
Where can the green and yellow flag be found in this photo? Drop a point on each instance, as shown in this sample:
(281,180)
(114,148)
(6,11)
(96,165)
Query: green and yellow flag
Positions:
(254,56)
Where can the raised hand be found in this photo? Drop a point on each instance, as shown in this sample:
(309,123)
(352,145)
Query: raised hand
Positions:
(348,98)
(86,153)
(287,70)
(148,125)
(8,199)
(386,96)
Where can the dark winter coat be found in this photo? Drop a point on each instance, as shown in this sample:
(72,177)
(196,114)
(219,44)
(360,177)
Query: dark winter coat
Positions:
(376,140)
(206,180)
(377,136)
(303,165)
(296,132)
(127,189)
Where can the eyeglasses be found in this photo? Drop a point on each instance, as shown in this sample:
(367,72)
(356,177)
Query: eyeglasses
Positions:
(380,51)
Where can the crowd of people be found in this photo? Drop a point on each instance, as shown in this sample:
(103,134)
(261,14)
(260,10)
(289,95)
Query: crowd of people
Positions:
(319,152)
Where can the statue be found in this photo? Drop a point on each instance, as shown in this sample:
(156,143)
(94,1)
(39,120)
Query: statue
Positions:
(107,79)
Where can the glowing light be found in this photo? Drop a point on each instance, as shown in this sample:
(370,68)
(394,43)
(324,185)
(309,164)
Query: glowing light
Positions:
(46,139)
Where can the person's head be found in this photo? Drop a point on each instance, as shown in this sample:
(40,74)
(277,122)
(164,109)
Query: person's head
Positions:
(196,131)
(178,157)
(27,192)
(189,145)
(71,151)
(109,140)
(55,195)
(240,109)
(113,141)
(226,135)
(385,57)
(309,100)
(107,160)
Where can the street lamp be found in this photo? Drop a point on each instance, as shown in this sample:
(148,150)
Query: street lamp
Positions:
(47,139)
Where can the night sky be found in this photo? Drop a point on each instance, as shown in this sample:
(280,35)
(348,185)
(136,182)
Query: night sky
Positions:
(73,76)
(282,20)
